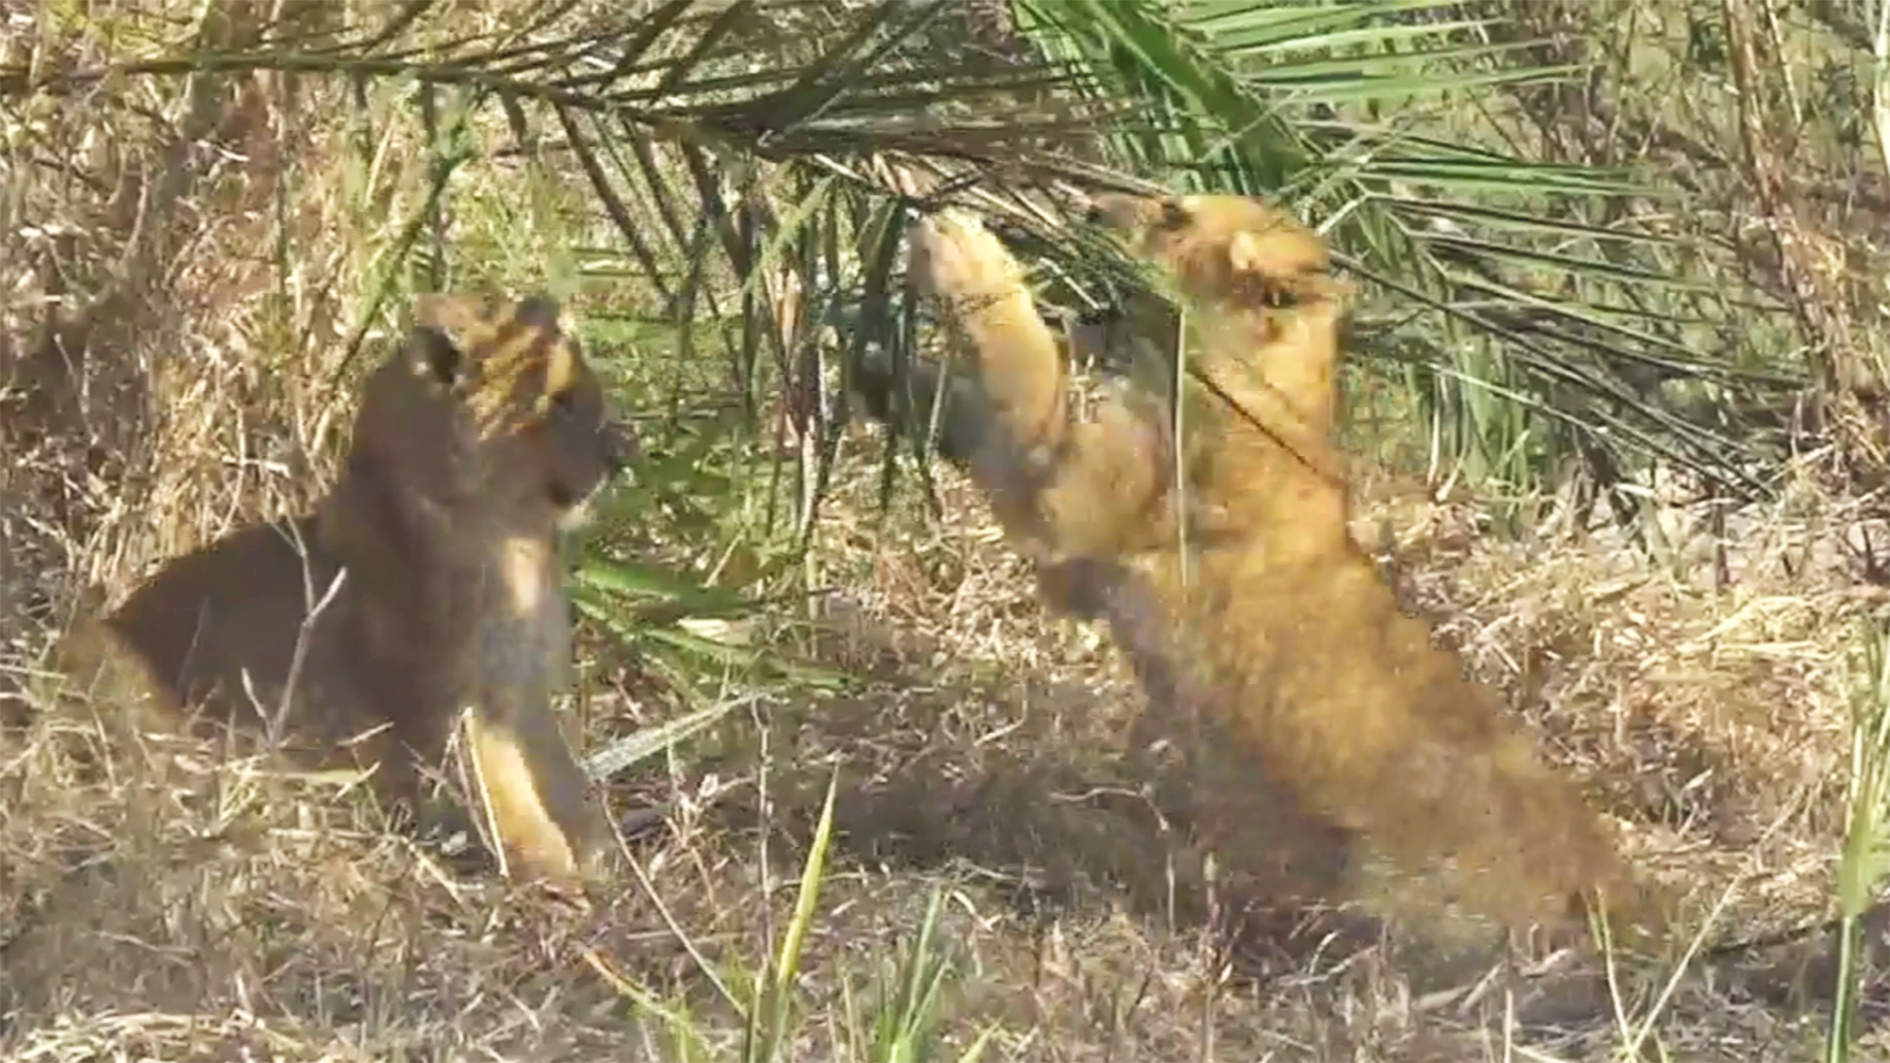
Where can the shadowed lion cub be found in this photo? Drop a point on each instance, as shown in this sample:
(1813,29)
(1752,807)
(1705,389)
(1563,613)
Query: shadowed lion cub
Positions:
(425,583)
(1232,584)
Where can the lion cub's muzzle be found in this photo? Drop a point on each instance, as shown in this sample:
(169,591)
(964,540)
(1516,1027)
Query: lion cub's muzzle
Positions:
(582,468)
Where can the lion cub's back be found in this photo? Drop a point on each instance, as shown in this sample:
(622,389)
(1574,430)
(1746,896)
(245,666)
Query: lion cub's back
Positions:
(218,627)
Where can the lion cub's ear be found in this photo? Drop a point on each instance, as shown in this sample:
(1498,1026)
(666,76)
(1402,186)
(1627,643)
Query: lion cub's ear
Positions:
(443,327)
(452,334)
(539,310)
(1178,212)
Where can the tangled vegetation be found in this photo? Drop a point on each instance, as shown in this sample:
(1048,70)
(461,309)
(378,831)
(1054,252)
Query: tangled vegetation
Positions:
(1614,392)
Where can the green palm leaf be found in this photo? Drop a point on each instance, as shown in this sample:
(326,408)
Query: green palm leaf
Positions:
(721,141)
(1489,259)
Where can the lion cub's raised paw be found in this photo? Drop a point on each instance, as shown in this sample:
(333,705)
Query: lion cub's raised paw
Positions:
(954,257)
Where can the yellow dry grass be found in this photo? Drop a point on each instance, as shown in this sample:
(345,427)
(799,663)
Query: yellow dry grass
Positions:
(232,910)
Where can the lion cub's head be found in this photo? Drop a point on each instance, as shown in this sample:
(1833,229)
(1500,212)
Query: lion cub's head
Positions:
(490,402)
(1237,250)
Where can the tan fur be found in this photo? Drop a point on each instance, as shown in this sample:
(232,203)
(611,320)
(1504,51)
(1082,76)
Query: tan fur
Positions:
(480,434)
(1271,625)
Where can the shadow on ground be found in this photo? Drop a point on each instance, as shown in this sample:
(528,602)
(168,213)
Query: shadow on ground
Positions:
(1065,798)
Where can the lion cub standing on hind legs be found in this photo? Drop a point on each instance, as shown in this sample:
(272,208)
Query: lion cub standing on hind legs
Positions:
(425,583)
(1270,624)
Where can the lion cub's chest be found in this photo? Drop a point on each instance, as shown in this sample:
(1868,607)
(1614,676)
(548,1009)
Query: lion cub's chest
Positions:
(526,620)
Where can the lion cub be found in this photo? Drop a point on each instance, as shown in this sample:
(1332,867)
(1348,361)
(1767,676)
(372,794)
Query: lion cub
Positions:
(426,583)
(1233,585)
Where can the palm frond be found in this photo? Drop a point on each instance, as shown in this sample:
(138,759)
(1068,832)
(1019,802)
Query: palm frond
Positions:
(1478,245)
(713,138)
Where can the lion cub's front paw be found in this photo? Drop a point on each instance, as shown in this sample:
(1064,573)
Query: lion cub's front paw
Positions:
(954,257)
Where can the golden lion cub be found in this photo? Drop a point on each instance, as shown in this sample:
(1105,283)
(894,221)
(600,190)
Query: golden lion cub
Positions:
(427,582)
(1238,594)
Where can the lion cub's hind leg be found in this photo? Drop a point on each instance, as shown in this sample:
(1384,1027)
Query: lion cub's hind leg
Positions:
(235,635)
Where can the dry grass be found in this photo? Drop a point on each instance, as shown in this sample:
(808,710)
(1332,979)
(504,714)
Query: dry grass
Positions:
(236,910)
(160,905)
